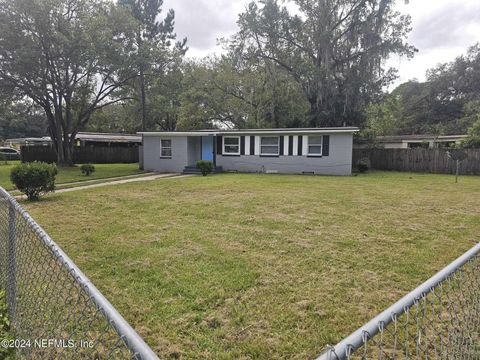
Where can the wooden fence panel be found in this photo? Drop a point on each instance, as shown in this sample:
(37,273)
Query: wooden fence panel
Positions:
(38,153)
(82,155)
(419,160)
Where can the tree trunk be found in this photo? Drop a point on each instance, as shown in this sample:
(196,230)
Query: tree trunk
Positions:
(63,147)
(69,144)
(59,144)
(143,98)
(314,113)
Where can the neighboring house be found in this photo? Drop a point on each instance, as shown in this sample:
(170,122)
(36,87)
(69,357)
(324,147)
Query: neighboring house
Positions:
(326,151)
(84,139)
(17,143)
(107,139)
(412,141)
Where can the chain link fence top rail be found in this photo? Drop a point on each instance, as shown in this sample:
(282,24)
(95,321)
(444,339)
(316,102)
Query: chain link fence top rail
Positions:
(55,312)
(440,319)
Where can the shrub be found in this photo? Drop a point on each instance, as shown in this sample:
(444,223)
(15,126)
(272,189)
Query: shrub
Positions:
(87,169)
(470,143)
(5,333)
(34,179)
(205,166)
(362,165)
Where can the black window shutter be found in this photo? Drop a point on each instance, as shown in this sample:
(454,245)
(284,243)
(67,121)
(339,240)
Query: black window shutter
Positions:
(300,145)
(281,145)
(326,145)
(242,145)
(219,145)
(252,145)
(290,145)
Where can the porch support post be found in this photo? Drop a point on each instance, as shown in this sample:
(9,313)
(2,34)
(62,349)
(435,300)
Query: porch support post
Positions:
(11,264)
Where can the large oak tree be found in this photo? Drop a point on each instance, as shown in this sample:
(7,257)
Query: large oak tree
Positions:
(335,49)
(70,57)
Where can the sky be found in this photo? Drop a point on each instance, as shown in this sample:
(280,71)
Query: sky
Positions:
(442,29)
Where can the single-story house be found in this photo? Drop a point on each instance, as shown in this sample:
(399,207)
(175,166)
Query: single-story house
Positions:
(326,151)
(412,141)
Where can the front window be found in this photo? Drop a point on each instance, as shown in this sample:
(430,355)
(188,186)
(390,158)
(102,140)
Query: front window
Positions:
(315,145)
(269,145)
(166,148)
(231,145)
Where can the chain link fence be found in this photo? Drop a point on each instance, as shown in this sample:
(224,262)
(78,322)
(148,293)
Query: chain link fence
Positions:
(438,320)
(55,312)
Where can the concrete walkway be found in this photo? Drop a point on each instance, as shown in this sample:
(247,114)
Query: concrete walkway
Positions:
(117,182)
(98,180)
(124,181)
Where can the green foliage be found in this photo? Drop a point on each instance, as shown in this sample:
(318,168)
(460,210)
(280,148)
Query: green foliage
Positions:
(87,169)
(473,138)
(447,103)
(164,103)
(34,179)
(21,119)
(85,43)
(382,119)
(334,51)
(152,54)
(205,166)
(116,118)
(5,352)
(241,93)
(363,165)
(471,143)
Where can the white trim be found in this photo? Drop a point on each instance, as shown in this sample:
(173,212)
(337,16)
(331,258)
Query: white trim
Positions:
(166,147)
(223,145)
(305,145)
(278,146)
(257,145)
(285,145)
(295,145)
(247,145)
(321,146)
(181,133)
(273,132)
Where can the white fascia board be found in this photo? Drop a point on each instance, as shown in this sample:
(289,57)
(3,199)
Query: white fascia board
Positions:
(176,133)
(259,132)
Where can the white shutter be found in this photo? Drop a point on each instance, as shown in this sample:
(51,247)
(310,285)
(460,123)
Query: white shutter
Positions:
(285,145)
(257,145)
(247,145)
(295,145)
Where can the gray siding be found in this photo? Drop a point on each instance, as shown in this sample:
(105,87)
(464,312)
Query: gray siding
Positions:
(151,154)
(186,151)
(339,161)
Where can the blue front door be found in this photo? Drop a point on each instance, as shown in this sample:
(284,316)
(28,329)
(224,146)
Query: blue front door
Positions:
(207,148)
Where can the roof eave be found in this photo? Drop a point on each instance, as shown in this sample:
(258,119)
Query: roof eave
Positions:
(254,131)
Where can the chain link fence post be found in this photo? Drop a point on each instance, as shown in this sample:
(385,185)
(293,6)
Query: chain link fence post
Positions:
(440,319)
(52,306)
(11,263)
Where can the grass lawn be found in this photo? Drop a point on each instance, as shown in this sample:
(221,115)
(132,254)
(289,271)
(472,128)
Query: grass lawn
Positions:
(71,174)
(261,266)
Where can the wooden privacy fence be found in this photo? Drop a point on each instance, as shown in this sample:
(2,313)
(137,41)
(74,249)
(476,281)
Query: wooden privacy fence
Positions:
(82,155)
(419,160)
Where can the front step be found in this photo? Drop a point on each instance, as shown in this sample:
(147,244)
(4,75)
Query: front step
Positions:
(192,169)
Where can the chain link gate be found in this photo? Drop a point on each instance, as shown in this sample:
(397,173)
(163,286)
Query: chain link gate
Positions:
(55,312)
(440,319)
